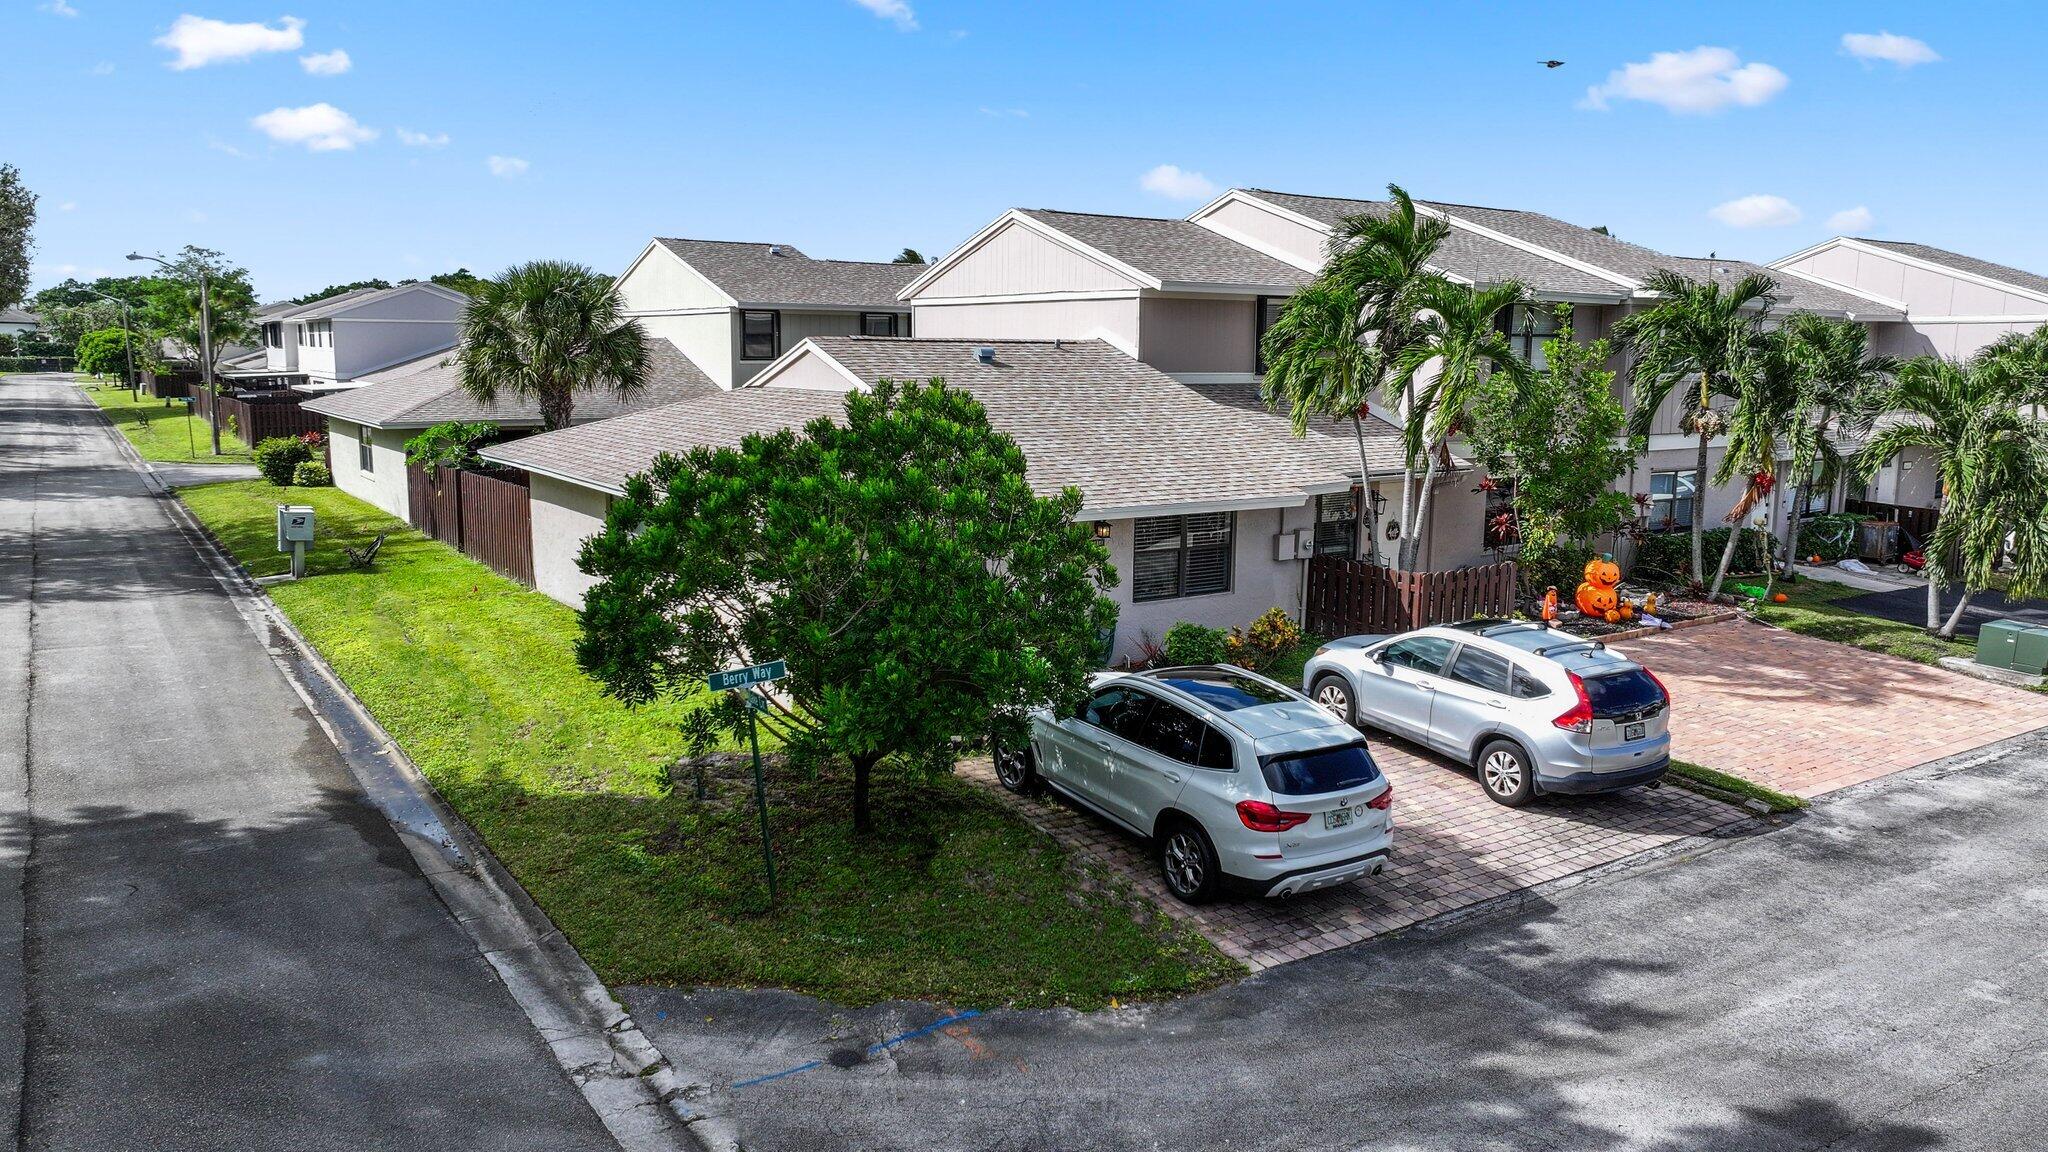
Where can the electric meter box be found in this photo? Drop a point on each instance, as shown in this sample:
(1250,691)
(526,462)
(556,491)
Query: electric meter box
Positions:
(294,526)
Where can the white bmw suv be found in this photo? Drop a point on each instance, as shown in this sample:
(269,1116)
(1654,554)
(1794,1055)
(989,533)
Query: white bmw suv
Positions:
(1241,783)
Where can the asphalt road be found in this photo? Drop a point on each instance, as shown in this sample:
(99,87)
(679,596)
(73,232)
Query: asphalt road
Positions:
(1873,976)
(207,938)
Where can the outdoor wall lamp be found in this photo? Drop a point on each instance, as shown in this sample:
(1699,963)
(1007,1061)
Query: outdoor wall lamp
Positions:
(1102,529)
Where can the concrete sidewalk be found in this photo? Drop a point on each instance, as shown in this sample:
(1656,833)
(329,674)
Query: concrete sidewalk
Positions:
(212,939)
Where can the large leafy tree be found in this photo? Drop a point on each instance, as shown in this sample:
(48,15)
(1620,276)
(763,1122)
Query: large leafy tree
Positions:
(1977,420)
(896,558)
(546,331)
(174,312)
(338,289)
(1458,346)
(1557,435)
(1836,374)
(17,239)
(1691,341)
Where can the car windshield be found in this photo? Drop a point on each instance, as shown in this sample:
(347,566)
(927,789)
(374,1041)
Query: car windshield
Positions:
(1621,693)
(1319,770)
(1223,691)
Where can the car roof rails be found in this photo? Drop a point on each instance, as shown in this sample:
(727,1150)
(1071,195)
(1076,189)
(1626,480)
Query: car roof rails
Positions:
(1572,645)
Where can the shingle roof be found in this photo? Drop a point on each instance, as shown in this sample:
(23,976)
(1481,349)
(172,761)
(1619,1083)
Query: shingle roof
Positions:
(750,275)
(2002,273)
(16,316)
(427,391)
(1465,254)
(1085,414)
(1175,251)
(1794,293)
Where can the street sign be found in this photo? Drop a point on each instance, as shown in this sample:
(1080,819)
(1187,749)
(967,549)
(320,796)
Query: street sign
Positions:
(743,677)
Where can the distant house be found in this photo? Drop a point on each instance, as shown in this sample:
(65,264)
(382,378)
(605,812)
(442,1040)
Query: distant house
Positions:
(17,322)
(336,343)
(733,307)
(369,424)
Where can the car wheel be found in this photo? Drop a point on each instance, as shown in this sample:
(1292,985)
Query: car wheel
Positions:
(1188,861)
(1506,774)
(1017,770)
(1333,692)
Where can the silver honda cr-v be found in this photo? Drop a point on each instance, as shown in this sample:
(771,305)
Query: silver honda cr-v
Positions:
(1533,710)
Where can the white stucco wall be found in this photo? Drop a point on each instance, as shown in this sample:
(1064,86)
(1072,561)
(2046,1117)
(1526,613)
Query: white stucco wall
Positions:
(1258,582)
(1182,334)
(384,486)
(1268,231)
(1113,320)
(367,345)
(564,516)
(1018,258)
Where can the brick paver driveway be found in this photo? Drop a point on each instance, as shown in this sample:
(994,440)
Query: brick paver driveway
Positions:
(1809,716)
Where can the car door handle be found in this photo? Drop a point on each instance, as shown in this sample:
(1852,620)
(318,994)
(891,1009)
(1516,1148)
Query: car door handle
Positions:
(1496,703)
(1425,685)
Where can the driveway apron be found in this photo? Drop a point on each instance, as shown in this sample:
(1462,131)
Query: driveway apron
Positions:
(208,938)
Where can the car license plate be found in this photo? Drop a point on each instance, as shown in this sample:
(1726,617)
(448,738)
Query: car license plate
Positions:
(1632,733)
(1336,818)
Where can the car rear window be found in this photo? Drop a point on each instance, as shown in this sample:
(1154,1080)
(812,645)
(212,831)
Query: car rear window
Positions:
(1620,693)
(1319,770)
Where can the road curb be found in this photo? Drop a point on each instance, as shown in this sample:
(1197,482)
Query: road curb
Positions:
(642,1099)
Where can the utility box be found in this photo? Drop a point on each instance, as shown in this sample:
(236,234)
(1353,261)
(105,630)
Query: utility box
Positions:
(2030,651)
(294,526)
(2014,646)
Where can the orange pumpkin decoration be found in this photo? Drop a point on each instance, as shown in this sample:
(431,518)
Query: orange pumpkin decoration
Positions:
(1597,596)
(1614,616)
(1779,598)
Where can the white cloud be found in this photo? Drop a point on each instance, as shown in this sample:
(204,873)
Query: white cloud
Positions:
(893,10)
(68,206)
(1760,211)
(412,139)
(1857,219)
(1901,50)
(1169,181)
(1701,80)
(1006,113)
(58,8)
(103,68)
(507,167)
(320,127)
(326,63)
(223,146)
(199,41)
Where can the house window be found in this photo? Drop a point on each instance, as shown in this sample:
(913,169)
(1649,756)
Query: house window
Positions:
(878,324)
(366,458)
(1175,556)
(273,335)
(1528,326)
(1264,315)
(1337,524)
(760,335)
(1672,495)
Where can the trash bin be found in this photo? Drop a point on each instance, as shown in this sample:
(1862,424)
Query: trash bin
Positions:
(1877,540)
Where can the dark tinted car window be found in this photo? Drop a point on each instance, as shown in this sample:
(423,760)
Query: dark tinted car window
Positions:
(1619,693)
(1481,670)
(1174,733)
(1319,771)
(1217,752)
(1422,653)
(1121,711)
(1528,687)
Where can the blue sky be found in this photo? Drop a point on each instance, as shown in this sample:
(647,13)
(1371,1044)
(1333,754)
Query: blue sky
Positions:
(851,128)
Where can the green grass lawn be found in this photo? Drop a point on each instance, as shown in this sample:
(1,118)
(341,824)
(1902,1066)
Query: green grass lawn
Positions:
(954,899)
(1811,610)
(163,430)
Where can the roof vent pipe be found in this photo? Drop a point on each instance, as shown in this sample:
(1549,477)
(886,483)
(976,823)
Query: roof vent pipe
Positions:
(985,354)
(775,250)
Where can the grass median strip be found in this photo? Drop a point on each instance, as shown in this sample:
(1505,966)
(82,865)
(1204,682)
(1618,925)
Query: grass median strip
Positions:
(1810,610)
(165,430)
(951,899)
(1776,801)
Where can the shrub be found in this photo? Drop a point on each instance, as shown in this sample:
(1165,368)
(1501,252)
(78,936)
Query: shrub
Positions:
(278,457)
(1668,555)
(449,445)
(1831,537)
(1270,637)
(1191,643)
(312,474)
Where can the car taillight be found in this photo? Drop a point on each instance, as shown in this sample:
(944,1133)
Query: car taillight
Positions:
(1659,684)
(1260,816)
(1580,718)
(1383,801)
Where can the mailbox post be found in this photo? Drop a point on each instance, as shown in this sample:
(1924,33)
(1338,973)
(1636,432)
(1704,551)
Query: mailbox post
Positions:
(294,532)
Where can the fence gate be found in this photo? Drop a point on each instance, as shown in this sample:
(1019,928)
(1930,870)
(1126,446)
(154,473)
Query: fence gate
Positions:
(1346,597)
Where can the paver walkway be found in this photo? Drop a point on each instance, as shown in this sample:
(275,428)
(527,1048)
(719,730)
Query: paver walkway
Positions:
(1452,848)
(1809,716)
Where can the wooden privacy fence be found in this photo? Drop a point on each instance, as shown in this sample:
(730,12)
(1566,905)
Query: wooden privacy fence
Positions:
(260,416)
(1352,596)
(488,518)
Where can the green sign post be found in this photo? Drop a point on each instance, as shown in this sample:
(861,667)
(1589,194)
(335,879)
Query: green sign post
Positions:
(742,678)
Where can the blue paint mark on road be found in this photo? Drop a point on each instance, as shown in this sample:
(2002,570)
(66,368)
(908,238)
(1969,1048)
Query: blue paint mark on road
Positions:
(880,1046)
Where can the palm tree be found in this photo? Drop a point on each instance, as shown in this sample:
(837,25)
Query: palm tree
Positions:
(545,331)
(1975,418)
(1384,258)
(1769,405)
(1698,331)
(1460,334)
(1836,373)
(908,256)
(1317,364)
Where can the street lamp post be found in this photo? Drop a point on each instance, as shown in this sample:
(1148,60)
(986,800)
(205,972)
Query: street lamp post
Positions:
(127,344)
(205,344)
